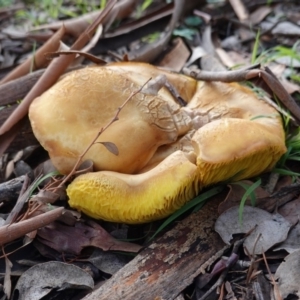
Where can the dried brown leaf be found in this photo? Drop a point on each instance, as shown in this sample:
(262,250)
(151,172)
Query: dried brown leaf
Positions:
(177,57)
(266,229)
(142,21)
(48,276)
(288,275)
(88,56)
(153,50)
(107,262)
(61,238)
(259,14)
(291,211)
(111,147)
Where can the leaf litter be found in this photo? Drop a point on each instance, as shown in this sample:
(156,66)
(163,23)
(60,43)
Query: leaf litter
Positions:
(268,231)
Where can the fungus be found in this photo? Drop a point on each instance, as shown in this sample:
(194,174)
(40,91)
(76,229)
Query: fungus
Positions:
(167,153)
(138,198)
(66,118)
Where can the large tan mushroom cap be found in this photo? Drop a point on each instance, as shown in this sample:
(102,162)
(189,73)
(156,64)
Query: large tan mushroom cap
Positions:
(224,133)
(67,117)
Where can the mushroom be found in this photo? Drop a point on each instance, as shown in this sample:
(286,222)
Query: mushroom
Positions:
(167,153)
(138,198)
(67,117)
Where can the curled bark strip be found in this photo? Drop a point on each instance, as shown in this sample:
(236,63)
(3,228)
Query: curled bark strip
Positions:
(11,232)
(88,56)
(53,72)
(37,60)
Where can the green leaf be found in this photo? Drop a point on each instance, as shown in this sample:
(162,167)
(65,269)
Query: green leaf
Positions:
(187,33)
(285,172)
(146,4)
(193,21)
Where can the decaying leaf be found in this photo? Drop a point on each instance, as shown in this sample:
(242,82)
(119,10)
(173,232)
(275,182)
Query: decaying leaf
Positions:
(61,238)
(107,262)
(268,229)
(292,243)
(41,279)
(291,211)
(288,275)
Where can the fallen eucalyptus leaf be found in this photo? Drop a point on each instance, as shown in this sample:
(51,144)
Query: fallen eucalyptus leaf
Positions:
(268,229)
(61,238)
(291,211)
(107,262)
(39,280)
(292,243)
(288,275)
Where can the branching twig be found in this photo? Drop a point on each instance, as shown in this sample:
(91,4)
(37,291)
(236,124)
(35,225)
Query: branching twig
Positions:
(246,74)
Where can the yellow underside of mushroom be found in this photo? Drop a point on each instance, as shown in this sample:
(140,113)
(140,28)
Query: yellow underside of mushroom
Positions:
(141,198)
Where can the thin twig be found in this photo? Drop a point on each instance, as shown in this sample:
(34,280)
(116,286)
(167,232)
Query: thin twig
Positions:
(11,232)
(272,278)
(224,76)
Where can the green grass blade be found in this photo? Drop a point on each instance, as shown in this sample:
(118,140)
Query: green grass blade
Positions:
(196,201)
(255,48)
(286,172)
(248,192)
(51,174)
(246,187)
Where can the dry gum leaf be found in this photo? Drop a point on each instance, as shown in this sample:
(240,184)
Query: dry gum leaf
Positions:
(288,275)
(263,224)
(48,276)
(61,238)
